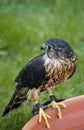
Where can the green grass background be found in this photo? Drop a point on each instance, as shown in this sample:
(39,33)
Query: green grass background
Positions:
(24,26)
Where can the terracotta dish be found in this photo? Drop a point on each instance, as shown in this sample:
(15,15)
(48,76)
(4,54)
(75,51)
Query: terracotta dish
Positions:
(73,117)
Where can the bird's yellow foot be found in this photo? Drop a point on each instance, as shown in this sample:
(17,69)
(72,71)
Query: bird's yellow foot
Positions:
(57,105)
(45,116)
(40,110)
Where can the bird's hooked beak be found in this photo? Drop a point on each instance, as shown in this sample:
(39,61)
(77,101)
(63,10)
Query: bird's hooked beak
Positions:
(44,47)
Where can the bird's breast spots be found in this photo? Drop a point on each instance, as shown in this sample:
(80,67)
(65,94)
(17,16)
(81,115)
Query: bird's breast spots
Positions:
(57,71)
(32,95)
(52,73)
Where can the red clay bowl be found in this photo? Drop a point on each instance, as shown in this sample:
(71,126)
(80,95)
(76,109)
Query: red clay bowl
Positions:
(73,117)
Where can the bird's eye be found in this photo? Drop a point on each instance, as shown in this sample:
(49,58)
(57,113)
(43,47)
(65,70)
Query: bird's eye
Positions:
(49,47)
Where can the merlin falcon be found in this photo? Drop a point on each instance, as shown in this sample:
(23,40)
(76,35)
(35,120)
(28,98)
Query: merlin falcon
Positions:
(57,64)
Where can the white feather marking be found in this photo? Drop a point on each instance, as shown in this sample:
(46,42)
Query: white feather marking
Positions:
(55,62)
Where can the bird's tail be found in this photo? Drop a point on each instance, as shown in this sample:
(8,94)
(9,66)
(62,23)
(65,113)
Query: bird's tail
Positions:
(19,96)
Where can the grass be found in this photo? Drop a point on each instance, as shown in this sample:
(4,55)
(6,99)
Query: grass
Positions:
(24,26)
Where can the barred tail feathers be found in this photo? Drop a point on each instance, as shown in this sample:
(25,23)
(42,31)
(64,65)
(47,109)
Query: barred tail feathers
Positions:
(19,96)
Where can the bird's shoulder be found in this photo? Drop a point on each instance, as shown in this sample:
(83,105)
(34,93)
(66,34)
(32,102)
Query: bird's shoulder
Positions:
(35,63)
(33,70)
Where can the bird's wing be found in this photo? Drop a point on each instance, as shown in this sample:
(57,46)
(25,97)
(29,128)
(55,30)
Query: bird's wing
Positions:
(31,76)
(18,97)
(33,73)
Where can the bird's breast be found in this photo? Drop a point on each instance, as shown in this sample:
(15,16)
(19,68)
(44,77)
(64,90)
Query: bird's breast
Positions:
(56,72)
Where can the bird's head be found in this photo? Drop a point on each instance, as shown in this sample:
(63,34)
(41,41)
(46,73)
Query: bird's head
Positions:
(57,49)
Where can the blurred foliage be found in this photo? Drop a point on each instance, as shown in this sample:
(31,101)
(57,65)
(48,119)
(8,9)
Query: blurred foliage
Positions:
(24,26)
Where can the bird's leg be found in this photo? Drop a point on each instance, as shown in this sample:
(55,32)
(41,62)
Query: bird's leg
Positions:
(38,109)
(56,105)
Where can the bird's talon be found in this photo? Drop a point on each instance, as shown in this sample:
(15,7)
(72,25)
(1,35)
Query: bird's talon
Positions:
(62,105)
(45,116)
(59,115)
(56,105)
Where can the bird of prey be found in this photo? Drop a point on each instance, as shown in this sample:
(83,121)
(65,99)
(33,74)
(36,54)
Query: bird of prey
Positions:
(57,64)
